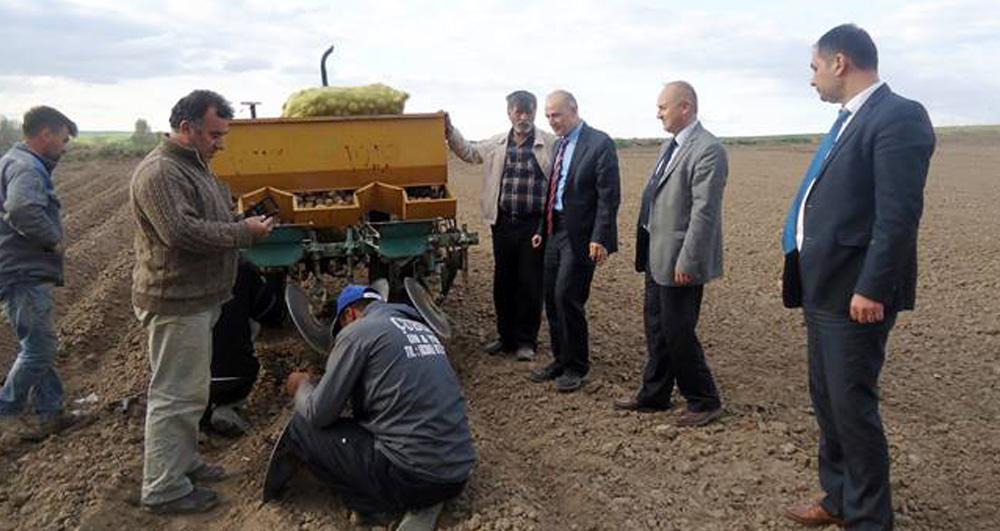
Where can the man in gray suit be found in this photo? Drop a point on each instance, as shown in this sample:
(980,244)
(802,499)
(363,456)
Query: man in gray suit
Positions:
(679,247)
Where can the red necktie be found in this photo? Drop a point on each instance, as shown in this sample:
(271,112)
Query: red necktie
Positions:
(550,208)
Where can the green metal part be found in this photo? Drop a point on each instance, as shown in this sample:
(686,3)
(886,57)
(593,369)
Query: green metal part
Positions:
(402,239)
(395,249)
(281,249)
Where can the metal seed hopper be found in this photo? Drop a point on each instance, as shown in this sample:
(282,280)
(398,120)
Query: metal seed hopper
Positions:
(353,196)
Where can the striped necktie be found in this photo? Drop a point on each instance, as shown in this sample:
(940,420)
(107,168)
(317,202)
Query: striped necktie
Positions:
(654,182)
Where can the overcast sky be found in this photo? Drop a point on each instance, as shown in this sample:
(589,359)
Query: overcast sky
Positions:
(108,62)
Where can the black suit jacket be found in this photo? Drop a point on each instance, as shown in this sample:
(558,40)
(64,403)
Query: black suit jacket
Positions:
(862,215)
(592,193)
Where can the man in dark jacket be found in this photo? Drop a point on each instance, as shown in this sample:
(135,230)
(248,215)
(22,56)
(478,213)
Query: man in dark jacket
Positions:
(31,264)
(580,230)
(407,446)
(850,245)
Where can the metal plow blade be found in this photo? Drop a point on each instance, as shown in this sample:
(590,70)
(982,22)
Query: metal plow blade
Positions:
(315,332)
(280,466)
(428,309)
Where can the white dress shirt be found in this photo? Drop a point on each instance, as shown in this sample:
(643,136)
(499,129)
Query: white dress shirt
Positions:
(852,106)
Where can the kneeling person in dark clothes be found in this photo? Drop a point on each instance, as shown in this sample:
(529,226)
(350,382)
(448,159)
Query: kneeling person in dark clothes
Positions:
(234,358)
(407,447)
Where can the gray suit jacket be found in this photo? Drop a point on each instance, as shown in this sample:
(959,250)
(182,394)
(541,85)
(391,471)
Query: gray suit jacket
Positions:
(685,222)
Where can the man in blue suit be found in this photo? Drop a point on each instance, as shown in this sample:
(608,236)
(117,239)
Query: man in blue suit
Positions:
(850,245)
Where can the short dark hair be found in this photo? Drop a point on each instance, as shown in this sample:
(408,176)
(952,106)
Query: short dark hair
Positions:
(358,305)
(43,117)
(194,106)
(522,100)
(851,41)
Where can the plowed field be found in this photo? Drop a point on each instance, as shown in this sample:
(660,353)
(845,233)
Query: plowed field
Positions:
(551,461)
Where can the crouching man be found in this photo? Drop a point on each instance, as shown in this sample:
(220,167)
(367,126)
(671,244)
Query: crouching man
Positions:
(234,355)
(407,447)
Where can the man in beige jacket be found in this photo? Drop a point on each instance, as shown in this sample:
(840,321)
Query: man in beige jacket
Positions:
(186,250)
(513,203)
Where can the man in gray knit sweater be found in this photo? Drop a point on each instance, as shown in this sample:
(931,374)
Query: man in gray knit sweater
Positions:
(186,250)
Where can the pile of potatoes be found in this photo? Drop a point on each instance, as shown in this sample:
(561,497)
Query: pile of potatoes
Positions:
(327,198)
(426,193)
(345,101)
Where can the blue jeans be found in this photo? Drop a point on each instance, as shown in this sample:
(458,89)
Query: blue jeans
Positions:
(29,309)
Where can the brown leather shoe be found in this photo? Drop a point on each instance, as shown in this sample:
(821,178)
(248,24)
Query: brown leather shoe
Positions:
(631,404)
(698,418)
(812,514)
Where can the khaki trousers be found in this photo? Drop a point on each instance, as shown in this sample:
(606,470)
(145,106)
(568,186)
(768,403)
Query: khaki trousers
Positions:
(180,361)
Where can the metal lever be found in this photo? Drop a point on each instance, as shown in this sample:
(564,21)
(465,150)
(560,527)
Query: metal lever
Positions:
(322,64)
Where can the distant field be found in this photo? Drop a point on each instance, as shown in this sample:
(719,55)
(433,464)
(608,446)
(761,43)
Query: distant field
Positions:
(110,145)
(967,130)
(770,139)
(942,132)
(95,138)
(102,138)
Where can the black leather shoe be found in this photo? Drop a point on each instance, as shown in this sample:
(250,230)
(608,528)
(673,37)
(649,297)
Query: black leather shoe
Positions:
(692,419)
(544,374)
(207,473)
(569,382)
(495,348)
(632,404)
(198,500)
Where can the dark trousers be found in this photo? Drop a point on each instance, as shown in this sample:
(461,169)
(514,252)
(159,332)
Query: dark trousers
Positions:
(567,287)
(517,282)
(845,359)
(344,457)
(224,392)
(675,355)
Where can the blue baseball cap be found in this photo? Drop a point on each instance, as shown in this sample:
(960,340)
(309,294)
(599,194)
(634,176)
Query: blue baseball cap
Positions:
(349,295)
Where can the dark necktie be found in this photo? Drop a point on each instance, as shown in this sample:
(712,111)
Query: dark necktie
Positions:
(654,181)
(554,186)
(825,147)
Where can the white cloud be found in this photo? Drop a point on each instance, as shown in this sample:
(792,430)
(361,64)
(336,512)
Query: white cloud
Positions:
(110,62)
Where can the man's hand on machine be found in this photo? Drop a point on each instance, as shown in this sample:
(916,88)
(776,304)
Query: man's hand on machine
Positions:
(294,380)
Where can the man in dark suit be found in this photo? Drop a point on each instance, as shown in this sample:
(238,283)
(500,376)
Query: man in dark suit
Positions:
(850,245)
(679,247)
(579,230)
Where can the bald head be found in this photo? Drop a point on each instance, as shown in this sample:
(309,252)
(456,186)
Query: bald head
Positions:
(677,106)
(683,91)
(563,97)
(561,111)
